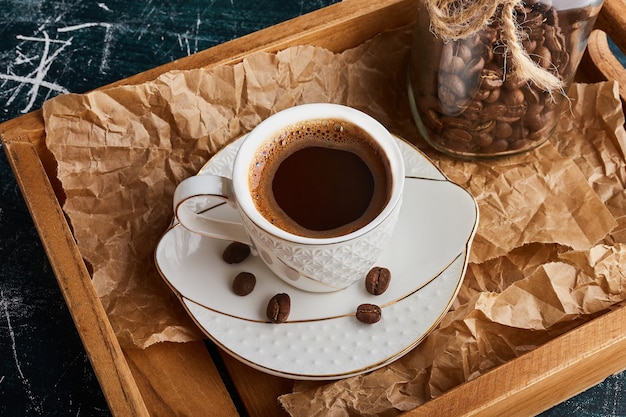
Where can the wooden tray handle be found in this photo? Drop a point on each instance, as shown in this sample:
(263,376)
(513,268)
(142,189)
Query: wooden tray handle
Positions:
(611,23)
(612,20)
(605,61)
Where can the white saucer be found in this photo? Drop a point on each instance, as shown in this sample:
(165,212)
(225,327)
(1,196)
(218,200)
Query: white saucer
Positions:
(322,339)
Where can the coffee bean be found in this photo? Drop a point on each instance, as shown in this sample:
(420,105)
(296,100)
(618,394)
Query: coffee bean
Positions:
(475,82)
(472,41)
(455,85)
(503,130)
(491,79)
(278,308)
(377,280)
(488,35)
(489,55)
(456,65)
(481,95)
(543,57)
(560,59)
(537,34)
(492,112)
(456,122)
(519,132)
(244,283)
(368,313)
(434,120)
(484,126)
(494,95)
(514,97)
(530,45)
(474,68)
(518,144)
(458,135)
(236,253)
(446,96)
(464,52)
(537,135)
(513,113)
(458,145)
(533,20)
(533,119)
(483,139)
(447,54)
(531,95)
(551,39)
(473,108)
(498,146)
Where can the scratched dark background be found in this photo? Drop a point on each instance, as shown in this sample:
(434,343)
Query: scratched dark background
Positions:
(52,47)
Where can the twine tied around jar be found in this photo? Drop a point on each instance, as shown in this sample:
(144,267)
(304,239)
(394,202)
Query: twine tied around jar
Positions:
(458,19)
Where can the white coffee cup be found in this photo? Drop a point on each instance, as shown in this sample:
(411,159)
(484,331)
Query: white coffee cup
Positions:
(308,262)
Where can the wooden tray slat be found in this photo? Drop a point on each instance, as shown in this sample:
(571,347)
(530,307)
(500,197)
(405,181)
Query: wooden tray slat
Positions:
(543,377)
(258,391)
(180,379)
(89,316)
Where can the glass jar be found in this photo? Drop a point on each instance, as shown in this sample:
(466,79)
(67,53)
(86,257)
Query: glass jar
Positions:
(466,96)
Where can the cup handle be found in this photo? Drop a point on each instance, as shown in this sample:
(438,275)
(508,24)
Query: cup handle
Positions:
(207,186)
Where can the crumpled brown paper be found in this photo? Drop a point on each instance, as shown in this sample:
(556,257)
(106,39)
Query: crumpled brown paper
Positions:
(548,252)
(525,284)
(121,152)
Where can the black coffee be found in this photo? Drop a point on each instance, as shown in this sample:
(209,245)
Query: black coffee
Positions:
(321,178)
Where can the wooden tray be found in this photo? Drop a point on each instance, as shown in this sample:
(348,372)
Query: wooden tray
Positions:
(183,379)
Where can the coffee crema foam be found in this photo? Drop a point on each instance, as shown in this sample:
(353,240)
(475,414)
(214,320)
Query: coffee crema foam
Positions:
(320,178)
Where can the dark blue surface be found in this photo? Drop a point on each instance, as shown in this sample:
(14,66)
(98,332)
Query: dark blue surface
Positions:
(50,47)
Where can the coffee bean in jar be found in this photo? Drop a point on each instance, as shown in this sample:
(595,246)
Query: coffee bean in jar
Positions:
(488,78)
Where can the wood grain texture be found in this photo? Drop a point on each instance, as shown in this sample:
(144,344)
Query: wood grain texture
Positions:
(180,379)
(543,377)
(605,61)
(612,20)
(172,379)
(258,391)
(87,312)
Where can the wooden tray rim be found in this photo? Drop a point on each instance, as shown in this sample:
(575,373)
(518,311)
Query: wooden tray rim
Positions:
(582,357)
